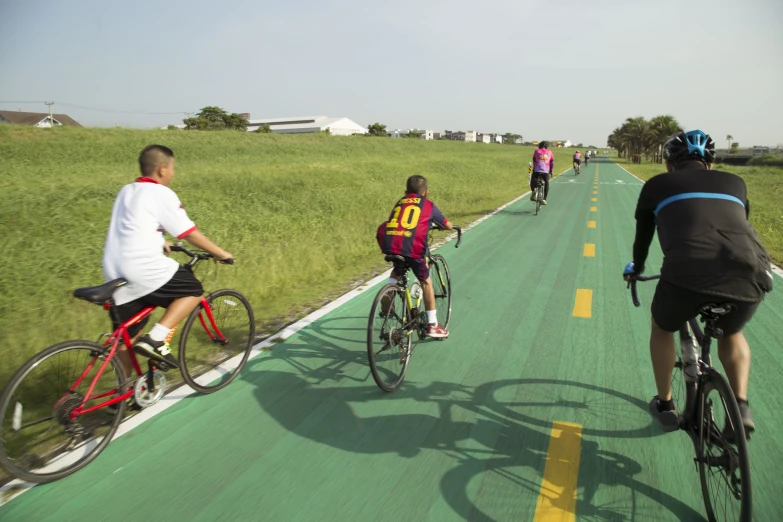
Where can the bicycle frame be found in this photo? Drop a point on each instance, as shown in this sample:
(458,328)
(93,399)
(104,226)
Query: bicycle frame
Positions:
(121,334)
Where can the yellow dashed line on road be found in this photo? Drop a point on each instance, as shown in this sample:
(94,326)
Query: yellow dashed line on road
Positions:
(593,209)
(591,224)
(593,199)
(583,305)
(557,497)
(589,250)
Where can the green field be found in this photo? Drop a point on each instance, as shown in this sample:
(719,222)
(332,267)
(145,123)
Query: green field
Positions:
(299,213)
(765,192)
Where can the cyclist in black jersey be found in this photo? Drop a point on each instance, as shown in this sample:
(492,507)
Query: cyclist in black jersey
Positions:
(711,255)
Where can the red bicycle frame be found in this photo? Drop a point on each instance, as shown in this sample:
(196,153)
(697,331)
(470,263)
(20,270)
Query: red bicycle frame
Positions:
(121,334)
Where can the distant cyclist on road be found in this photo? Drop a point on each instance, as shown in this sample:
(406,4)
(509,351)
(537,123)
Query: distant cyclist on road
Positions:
(587,157)
(405,234)
(543,164)
(711,255)
(577,161)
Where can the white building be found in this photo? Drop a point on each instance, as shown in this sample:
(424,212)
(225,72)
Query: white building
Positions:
(309,124)
(470,136)
(400,133)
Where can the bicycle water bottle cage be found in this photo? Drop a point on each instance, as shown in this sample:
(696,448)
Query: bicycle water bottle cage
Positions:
(99,294)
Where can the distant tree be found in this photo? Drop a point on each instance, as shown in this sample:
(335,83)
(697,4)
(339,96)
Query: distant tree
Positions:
(413,134)
(579,146)
(215,118)
(510,138)
(376,129)
(172,127)
(729,138)
(441,138)
(734,148)
(264,129)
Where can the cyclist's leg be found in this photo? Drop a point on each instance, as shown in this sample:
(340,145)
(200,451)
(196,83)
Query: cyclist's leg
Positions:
(421,270)
(733,348)
(120,314)
(546,184)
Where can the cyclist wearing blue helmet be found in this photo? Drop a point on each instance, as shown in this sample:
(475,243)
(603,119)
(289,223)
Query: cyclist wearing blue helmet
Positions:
(711,255)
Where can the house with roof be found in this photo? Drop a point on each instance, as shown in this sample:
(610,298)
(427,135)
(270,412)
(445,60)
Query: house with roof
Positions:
(37,119)
(309,124)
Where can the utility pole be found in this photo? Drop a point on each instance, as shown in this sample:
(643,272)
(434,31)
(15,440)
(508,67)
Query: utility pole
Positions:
(51,119)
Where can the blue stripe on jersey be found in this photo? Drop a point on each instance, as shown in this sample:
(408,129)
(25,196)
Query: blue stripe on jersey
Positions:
(696,195)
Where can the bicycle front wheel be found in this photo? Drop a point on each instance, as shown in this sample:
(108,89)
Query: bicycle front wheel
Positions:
(389,338)
(40,440)
(441,284)
(724,467)
(212,354)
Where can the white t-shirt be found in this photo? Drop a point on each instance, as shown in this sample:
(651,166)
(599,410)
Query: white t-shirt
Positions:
(134,242)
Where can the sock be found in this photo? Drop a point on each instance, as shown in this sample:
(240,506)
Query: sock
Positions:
(432,316)
(392,281)
(159,332)
(741,401)
(665,405)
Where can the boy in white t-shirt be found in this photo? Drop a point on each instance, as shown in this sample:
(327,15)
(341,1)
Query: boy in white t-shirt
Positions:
(134,250)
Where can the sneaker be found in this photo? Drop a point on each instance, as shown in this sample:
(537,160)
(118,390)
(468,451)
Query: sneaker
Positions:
(436,331)
(668,419)
(747,422)
(543,202)
(155,350)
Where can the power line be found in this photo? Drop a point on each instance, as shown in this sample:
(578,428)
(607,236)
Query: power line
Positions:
(96,109)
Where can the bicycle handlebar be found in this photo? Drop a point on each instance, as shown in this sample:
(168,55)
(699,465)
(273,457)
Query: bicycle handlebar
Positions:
(435,226)
(198,256)
(632,286)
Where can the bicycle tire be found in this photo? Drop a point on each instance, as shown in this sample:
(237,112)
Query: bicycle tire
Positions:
(389,371)
(197,355)
(710,438)
(441,284)
(53,454)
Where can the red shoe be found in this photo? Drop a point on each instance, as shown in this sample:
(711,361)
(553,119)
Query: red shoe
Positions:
(436,331)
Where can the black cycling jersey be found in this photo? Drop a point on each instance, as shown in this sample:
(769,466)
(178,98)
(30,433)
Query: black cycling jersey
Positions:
(708,244)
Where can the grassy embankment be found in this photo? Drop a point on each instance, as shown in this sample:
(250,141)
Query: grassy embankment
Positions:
(765,192)
(299,213)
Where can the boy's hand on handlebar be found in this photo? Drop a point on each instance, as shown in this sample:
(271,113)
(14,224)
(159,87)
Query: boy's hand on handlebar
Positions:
(167,247)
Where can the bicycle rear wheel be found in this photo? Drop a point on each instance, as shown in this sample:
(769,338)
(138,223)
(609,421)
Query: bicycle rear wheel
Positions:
(209,359)
(724,468)
(441,284)
(389,338)
(39,442)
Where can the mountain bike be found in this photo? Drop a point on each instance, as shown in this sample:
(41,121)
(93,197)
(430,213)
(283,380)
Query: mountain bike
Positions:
(398,312)
(711,416)
(61,408)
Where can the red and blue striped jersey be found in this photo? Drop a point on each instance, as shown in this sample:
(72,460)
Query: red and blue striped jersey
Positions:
(405,232)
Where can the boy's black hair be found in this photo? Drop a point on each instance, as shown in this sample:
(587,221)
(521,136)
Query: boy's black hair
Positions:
(416,184)
(152,157)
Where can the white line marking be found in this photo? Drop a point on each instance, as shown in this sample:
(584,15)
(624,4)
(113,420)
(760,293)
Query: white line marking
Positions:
(16,487)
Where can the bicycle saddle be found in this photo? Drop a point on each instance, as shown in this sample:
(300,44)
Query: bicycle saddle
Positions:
(714,310)
(99,294)
(394,259)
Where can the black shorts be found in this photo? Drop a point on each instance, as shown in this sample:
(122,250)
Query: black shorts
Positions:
(673,306)
(182,284)
(419,267)
(578,162)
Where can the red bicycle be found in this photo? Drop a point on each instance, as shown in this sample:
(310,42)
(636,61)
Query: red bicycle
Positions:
(61,409)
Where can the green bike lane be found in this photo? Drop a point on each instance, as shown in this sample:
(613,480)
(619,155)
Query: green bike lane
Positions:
(306,435)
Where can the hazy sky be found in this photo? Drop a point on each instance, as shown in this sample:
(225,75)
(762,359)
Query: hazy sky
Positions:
(559,69)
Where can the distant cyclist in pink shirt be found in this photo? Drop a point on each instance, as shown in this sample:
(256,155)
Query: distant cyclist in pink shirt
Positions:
(543,164)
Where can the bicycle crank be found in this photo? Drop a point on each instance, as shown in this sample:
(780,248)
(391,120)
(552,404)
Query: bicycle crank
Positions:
(149,388)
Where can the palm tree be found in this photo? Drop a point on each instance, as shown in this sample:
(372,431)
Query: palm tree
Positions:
(663,127)
(729,138)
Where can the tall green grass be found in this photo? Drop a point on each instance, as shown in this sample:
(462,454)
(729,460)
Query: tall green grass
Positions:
(765,192)
(299,213)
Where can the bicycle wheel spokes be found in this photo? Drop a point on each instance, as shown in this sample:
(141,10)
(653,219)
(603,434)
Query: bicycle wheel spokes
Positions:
(210,358)
(724,468)
(39,439)
(389,338)
(441,284)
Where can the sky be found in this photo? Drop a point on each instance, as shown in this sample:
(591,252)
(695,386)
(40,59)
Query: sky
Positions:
(558,69)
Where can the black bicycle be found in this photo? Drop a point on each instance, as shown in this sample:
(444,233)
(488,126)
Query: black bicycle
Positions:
(538,192)
(397,313)
(711,416)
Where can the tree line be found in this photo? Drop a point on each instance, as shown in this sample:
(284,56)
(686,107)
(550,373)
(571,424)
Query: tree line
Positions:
(638,137)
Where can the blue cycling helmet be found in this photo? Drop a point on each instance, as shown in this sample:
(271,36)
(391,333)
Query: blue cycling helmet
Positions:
(695,144)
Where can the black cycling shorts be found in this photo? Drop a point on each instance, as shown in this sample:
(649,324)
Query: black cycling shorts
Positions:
(419,266)
(578,162)
(182,284)
(673,306)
